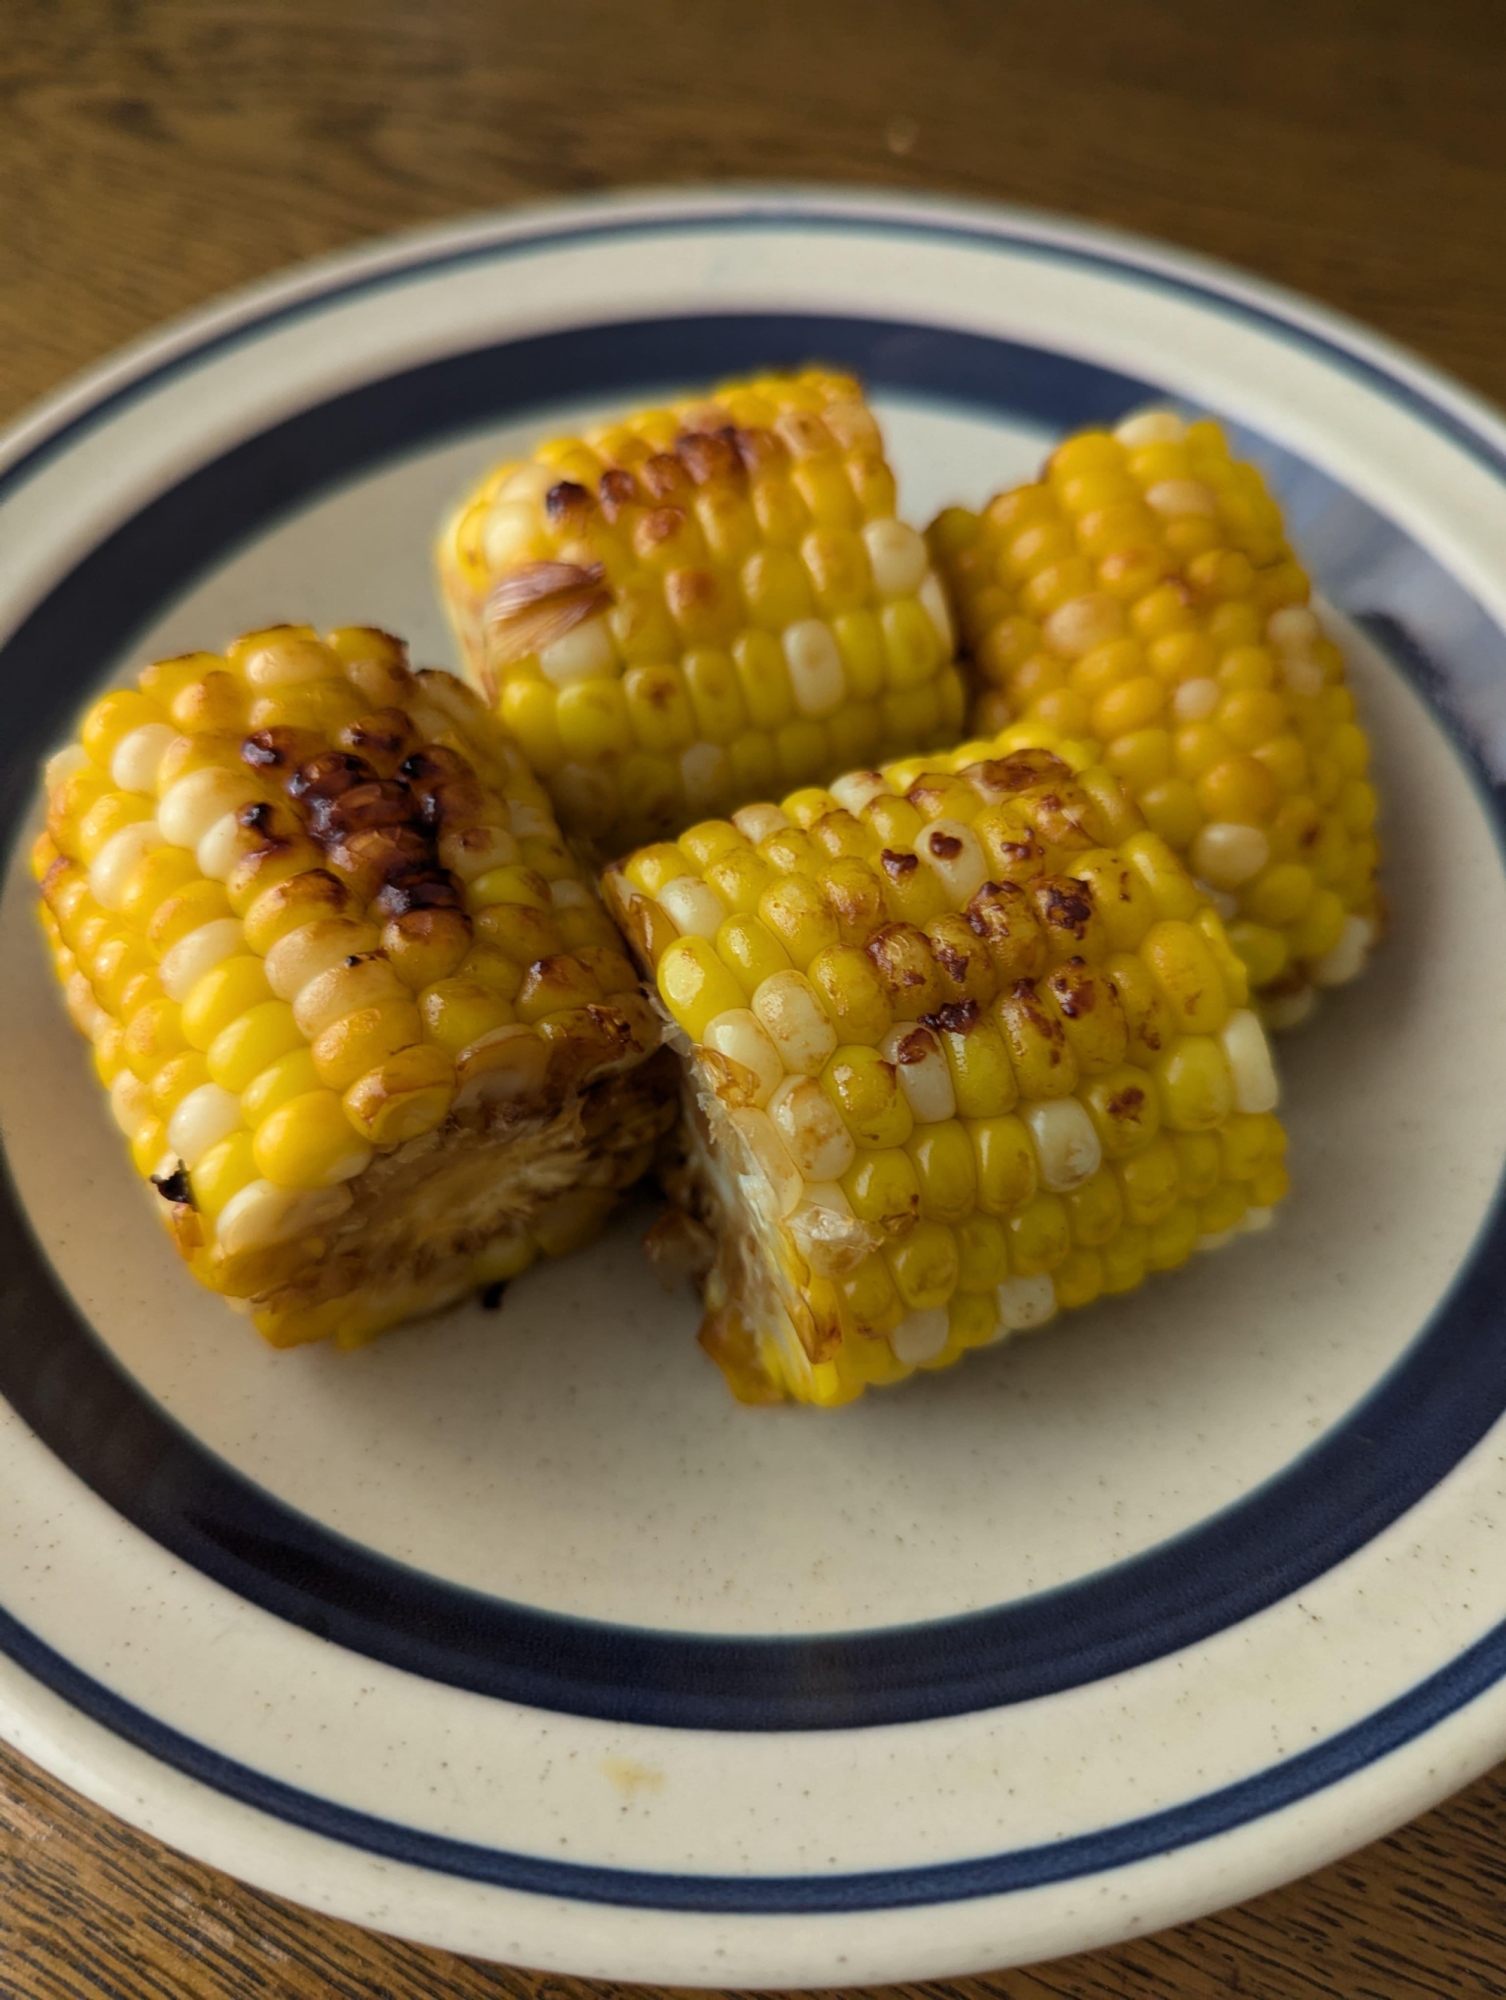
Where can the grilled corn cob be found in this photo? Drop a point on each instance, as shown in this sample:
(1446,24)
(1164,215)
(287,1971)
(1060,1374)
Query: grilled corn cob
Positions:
(966,1045)
(365,1026)
(702,605)
(1142,595)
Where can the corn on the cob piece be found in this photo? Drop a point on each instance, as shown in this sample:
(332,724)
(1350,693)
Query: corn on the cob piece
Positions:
(1142,596)
(702,605)
(362,1020)
(966,1045)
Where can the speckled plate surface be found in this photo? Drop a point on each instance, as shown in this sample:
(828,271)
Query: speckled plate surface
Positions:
(512,1632)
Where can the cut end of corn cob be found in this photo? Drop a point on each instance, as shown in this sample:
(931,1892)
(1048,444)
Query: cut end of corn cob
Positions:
(364,1023)
(966,1046)
(1141,598)
(702,605)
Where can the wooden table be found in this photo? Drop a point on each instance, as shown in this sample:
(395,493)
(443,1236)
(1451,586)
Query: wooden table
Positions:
(153,152)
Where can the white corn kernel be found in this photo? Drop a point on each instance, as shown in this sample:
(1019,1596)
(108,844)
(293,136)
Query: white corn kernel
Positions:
(84,1010)
(857,790)
(138,755)
(932,600)
(111,870)
(706,775)
(1226,853)
(566,894)
(1215,1239)
(816,677)
(1083,623)
(898,558)
(693,906)
(771,1159)
(1347,958)
(1150,427)
(796,1022)
(302,954)
(200,1120)
(331,995)
(262,1214)
(756,823)
(1249,1058)
(185,963)
(62,765)
(812,1129)
(530,821)
(510,534)
(1066,1144)
(1174,497)
(284,662)
(924,1076)
(130,1102)
(1256,1219)
(220,849)
(1195,701)
(529,483)
(1026,1302)
(1293,629)
(584,653)
(920,1336)
(952,850)
(189,808)
(738,1035)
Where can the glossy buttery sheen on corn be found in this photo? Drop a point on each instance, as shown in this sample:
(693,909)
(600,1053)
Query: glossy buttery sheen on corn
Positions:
(966,1046)
(1142,597)
(702,605)
(361,1019)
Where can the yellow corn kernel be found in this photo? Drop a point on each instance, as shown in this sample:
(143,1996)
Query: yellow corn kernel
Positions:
(459,1010)
(224,1170)
(1040,1235)
(251,1043)
(946,1170)
(292,1075)
(695,985)
(1043,1061)
(1150,1180)
(796,913)
(865,1090)
(1096,1209)
(924,1265)
(983,1253)
(1078,1279)
(1188,975)
(852,994)
(1005,1160)
(177,1077)
(750,950)
(309,1143)
(359,1041)
(1199,1163)
(1173,1238)
(221,997)
(882,1188)
(402,1097)
(1197,1092)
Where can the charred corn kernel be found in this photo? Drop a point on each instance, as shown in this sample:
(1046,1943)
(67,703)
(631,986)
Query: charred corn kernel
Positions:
(1218,700)
(690,603)
(1054,1073)
(266,872)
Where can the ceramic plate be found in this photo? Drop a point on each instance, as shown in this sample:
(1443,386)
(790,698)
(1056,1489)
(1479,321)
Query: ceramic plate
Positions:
(513,1632)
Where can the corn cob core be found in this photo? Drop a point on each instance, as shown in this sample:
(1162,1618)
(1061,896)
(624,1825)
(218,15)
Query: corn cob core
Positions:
(702,605)
(966,1046)
(1142,595)
(364,1023)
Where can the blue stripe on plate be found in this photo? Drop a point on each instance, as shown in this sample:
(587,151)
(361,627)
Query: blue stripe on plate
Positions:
(1297,1777)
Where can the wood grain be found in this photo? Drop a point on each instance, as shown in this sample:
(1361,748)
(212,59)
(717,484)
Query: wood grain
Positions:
(154,152)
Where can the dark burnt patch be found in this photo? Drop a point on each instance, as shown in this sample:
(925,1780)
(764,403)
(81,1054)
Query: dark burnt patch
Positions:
(958,1017)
